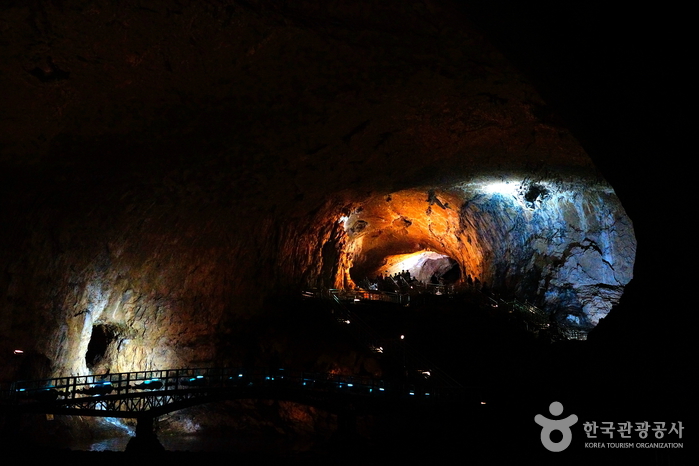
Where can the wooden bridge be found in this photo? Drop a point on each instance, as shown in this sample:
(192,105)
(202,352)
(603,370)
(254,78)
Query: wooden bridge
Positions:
(133,394)
(146,395)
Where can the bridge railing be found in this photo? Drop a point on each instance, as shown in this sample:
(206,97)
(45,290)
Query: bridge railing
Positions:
(76,389)
(537,319)
(370,295)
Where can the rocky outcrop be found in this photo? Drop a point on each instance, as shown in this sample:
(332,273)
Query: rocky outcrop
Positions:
(570,249)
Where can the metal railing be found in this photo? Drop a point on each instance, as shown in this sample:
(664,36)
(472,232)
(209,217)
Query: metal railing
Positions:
(574,334)
(537,319)
(158,391)
(370,295)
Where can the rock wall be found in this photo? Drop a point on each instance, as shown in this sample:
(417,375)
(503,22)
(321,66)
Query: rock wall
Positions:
(570,249)
(161,283)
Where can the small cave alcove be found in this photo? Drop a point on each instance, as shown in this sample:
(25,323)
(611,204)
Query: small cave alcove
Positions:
(103,336)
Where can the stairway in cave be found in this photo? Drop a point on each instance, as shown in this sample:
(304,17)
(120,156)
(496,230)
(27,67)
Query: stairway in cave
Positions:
(377,326)
(477,339)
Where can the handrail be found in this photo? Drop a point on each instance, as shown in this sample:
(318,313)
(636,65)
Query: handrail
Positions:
(127,394)
(371,295)
(540,319)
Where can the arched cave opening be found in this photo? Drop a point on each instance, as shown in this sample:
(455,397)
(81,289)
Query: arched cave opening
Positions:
(453,274)
(425,266)
(101,338)
(560,243)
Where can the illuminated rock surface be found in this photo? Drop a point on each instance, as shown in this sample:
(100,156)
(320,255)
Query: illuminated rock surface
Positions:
(569,248)
(168,171)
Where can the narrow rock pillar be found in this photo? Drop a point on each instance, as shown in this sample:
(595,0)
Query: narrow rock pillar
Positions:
(145,440)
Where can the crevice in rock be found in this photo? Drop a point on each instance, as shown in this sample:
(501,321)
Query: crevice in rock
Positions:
(102,337)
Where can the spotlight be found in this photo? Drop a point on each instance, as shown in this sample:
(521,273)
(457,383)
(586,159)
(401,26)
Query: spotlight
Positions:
(502,187)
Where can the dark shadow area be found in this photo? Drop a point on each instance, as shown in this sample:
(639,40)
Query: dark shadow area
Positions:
(102,336)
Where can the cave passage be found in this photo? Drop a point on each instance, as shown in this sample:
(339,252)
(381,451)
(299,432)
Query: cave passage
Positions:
(424,266)
(564,245)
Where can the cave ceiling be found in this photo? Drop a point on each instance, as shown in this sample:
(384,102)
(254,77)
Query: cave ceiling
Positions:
(266,96)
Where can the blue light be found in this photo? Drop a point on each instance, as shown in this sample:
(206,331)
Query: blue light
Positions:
(240,375)
(381,389)
(350,385)
(200,377)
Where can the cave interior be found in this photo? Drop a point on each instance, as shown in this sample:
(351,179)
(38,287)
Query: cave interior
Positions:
(174,177)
